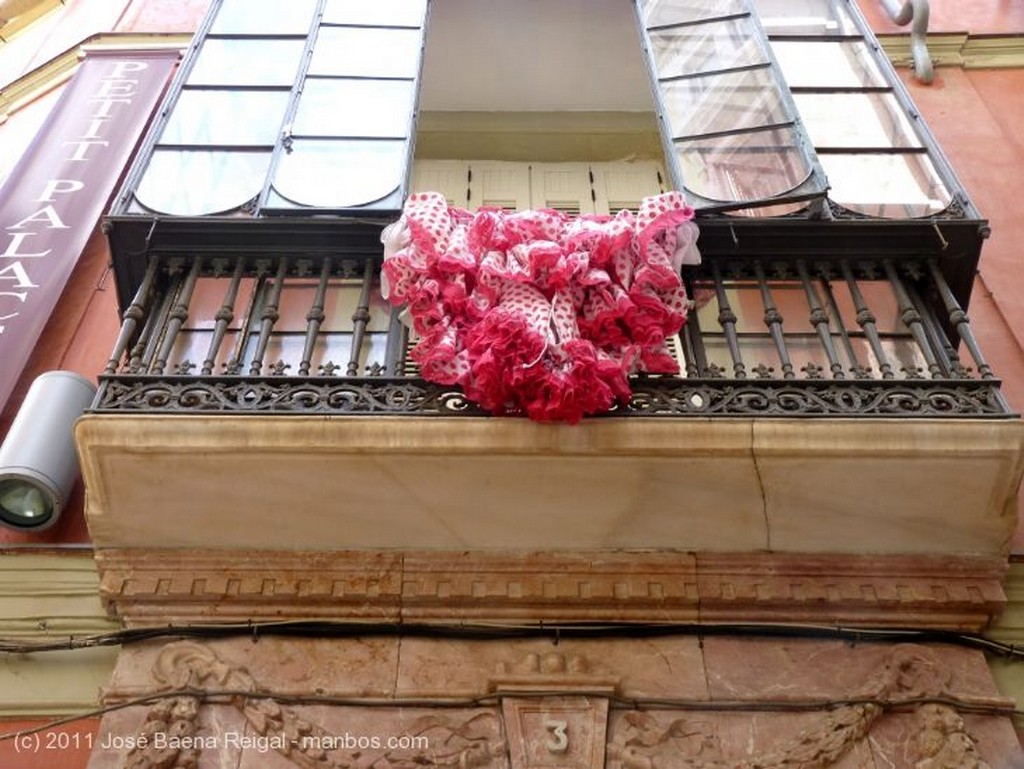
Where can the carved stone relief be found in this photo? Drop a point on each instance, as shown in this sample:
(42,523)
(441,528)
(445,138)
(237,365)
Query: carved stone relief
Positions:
(553,710)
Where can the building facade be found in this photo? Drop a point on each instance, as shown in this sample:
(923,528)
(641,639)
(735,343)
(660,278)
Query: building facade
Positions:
(297,544)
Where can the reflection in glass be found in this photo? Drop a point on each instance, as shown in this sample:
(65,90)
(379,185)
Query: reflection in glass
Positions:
(743,167)
(823,64)
(895,185)
(247,62)
(706,47)
(340,174)
(366,52)
(855,120)
(656,13)
(197,182)
(342,107)
(379,13)
(725,102)
(235,117)
(805,17)
(264,17)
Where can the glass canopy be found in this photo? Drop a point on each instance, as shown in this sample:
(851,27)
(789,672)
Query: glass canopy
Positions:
(306,106)
(732,135)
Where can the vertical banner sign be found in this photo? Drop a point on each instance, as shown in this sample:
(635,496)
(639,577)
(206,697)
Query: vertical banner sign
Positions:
(54,197)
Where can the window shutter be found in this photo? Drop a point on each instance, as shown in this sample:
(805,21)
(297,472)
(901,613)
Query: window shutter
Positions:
(564,187)
(624,184)
(449,177)
(500,184)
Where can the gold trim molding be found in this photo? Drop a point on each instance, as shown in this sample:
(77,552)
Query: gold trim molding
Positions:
(59,69)
(959,49)
(48,597)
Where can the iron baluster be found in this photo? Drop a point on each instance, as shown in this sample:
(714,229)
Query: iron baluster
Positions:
(727,320)
(176,317)
(268,317)
(236,362)
(687,335)
(819,318)
(394,355)
(135,312)
(154,334)
(959,320)
(315,317)
(911,318)
(223,318)
(773,320)
(867,321)
(945,355)
(858,370)
(360,318)
(694,357)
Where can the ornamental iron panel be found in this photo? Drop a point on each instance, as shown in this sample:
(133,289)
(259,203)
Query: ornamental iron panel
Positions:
(772,336)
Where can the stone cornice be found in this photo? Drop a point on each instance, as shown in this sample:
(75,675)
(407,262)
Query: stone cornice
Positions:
(146,587)
(959,49)
(59,69)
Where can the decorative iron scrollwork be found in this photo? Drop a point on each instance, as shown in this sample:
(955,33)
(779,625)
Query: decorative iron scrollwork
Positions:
(662,397)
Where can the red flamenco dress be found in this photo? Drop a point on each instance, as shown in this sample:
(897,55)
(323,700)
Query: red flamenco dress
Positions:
(536,312)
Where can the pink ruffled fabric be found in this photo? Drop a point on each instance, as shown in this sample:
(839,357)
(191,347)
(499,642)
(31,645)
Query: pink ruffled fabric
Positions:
(536,312)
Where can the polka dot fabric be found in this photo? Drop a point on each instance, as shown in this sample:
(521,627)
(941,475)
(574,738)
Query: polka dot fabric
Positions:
(536,312)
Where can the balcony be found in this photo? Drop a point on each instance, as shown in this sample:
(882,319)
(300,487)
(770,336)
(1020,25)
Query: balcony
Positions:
(833,423)
(265,400)
(790,318)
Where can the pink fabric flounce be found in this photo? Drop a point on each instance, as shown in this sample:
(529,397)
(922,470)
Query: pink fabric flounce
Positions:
(539,313)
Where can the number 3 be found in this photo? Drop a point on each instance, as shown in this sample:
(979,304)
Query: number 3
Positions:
(559,741)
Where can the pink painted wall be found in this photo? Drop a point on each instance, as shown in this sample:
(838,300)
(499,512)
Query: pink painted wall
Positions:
(80,336)
(979,17)
(977,115)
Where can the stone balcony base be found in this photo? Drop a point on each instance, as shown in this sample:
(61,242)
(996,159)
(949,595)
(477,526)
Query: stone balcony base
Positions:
(255,482)
(147,587)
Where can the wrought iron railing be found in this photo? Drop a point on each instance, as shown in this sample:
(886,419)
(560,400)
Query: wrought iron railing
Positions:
(795,336)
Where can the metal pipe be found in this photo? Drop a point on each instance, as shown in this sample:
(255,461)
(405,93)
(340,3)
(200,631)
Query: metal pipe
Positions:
(916,13)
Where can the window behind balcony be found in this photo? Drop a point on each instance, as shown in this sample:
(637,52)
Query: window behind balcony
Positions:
(311,121)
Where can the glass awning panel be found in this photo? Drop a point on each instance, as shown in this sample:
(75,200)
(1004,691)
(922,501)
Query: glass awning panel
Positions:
(296,107)
(732,135)
(349,136)
(879,157)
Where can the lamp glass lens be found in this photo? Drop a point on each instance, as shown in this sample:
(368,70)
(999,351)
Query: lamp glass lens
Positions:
(23,504)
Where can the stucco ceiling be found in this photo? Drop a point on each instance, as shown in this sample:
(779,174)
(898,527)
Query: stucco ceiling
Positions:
(534,55)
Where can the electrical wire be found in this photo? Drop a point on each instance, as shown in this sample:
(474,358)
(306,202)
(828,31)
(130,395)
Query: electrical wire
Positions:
(505,631)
